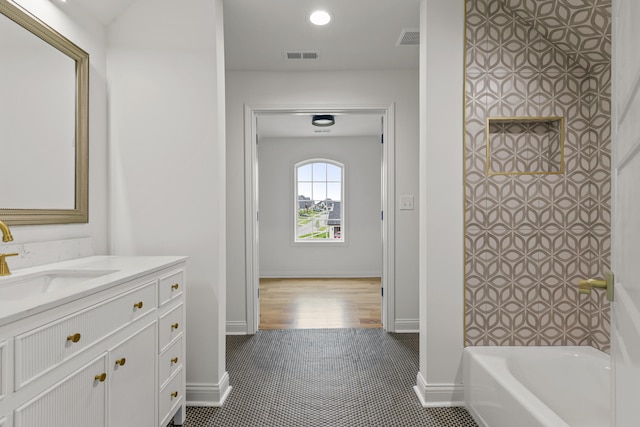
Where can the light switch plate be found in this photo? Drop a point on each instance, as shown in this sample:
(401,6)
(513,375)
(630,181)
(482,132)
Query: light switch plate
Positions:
(406,203)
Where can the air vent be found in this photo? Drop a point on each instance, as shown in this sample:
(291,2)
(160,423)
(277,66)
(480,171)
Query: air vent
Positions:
(409,37)
(302,55)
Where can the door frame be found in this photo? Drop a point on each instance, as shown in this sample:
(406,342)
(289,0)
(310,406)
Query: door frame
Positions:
(252,273)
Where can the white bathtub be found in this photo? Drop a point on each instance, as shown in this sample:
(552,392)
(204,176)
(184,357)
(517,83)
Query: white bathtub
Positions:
(537,386)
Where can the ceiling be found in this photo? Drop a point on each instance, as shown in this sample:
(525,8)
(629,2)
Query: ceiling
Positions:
(364,34)
(104,11)
(282,125)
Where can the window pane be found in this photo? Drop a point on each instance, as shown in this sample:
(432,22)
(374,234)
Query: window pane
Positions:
(333,191)
(304,173)
(319,171)
(319,202)
(319,191)
(333,173)
(304,189)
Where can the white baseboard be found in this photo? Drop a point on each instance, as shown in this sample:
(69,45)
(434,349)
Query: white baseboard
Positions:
(208,394)
(407,326)
(438,395)
(321,274)
(236,327)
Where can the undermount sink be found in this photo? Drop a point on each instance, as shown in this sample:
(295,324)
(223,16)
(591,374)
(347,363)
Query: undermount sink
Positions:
(12,289)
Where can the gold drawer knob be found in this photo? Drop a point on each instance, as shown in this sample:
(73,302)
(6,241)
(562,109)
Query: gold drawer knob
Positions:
(174,360)
(175,326)
(122,361)
(138,305)
(174,395)
(175,286)
(74,337)
(101,377)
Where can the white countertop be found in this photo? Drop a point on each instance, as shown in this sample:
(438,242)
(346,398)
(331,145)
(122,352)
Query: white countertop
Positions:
(119,269)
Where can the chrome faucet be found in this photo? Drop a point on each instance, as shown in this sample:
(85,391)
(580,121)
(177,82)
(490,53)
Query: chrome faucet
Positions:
(6,237)
(6,233)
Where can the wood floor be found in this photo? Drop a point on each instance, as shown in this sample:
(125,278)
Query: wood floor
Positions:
(320,303)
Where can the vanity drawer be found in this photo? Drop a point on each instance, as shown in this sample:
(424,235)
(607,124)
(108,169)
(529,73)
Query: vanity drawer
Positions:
(170,361)
(171,396)
(42,349)
(171,287)
(171,326)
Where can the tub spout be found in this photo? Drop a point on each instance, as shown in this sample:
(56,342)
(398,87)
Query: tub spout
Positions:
(585,286)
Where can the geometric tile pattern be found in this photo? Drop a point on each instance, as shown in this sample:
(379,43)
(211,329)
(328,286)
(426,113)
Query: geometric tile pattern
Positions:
(324,377)
(580,28)
(520,145)
(529,238)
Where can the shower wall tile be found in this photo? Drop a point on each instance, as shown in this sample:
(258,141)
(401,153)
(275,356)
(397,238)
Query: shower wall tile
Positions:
(564,316)
(476,37)
(601,140)
(561,255)
(530,238)
(512,94)
(511,258)
(511,201)
(581,29)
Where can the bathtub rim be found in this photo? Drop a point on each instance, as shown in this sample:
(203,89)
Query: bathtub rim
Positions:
(487,358)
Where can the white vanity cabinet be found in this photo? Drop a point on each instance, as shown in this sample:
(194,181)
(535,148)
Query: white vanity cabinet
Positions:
(131,377)
(3,374)
(76,401)
(110,358)
(171,348)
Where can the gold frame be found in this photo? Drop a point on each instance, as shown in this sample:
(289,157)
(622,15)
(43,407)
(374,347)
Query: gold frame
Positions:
(525,119)
(80,213)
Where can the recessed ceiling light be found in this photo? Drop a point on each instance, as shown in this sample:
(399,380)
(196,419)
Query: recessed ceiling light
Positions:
(320,17)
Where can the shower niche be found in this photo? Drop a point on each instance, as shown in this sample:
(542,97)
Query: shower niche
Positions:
(525,145)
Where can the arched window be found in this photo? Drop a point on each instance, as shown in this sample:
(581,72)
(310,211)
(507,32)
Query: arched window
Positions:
(319,210)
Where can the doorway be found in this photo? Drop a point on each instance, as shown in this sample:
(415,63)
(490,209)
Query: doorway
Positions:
(253,117)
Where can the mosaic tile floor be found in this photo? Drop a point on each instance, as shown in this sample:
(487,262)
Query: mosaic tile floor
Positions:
(324,377)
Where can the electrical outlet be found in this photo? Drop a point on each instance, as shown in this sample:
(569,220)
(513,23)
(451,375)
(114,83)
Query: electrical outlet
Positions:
(406,203)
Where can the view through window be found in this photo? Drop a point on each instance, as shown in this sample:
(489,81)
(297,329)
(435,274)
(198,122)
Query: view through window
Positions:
(319,201)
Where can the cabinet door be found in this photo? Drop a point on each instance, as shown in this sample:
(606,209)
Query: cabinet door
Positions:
(132,380)
(77,401)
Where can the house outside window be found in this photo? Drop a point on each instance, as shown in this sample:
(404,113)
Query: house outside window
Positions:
(319,208)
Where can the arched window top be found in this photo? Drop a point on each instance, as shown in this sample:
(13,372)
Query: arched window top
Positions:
(319,208)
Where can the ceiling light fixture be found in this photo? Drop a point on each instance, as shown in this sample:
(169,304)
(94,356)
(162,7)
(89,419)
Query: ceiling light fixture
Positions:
(323,120)
(320,17)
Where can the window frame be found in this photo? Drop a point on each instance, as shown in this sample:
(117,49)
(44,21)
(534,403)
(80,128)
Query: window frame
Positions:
(309,161)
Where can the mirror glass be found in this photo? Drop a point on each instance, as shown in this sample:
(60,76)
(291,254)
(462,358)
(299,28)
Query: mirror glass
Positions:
(43,122)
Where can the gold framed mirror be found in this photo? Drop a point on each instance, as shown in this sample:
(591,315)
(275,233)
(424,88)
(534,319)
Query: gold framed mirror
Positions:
(44,123)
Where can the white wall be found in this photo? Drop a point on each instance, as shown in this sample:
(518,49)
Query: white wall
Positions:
(351,88)
(166,74)
(361,254)
(89,35)
(439,381)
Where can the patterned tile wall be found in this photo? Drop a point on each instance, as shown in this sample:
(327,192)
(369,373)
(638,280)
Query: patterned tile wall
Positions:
(580,28)
(522,146)
(529,238)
